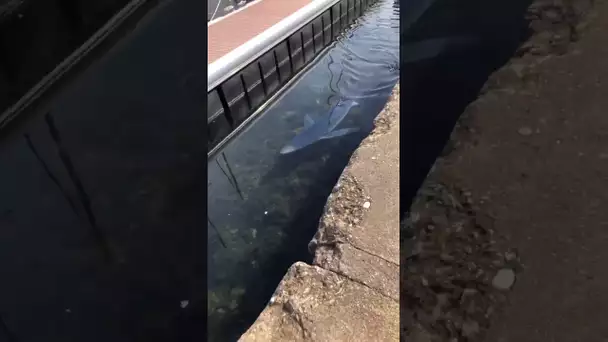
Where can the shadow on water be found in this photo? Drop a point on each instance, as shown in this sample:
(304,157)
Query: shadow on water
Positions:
(435,92)
(265,206)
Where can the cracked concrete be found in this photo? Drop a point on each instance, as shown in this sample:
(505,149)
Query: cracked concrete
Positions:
(351,292)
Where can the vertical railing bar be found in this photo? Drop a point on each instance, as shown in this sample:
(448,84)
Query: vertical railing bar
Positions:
(224,102)
(323,31)
(339,17)
(314,44)
(246,92)
(347,13)
(262,78)
(302,43)
(343,16)
(276,64)
(338,20)
(331,24)
(290,58)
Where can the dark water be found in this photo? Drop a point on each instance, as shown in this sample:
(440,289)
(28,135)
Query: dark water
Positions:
(264,207)
(100,201)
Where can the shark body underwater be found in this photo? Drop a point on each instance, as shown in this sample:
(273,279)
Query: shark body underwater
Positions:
(323,128)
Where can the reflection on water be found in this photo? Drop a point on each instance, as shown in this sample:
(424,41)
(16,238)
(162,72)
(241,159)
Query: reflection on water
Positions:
(264,207)
(83,197)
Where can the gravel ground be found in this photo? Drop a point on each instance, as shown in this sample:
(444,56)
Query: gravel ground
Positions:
(455,276)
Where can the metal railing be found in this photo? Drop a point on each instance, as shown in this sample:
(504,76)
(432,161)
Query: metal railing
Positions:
(242,81)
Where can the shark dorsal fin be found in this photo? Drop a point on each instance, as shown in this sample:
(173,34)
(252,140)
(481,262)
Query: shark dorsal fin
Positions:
(308,121)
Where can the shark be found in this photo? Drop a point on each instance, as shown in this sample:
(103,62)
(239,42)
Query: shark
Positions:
(324,128)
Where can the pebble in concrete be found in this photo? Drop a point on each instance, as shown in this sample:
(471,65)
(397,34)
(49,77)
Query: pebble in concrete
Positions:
(525,131)
(504,279)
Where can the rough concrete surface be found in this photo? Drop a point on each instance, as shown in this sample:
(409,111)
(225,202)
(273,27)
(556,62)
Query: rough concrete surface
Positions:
(510,226)
(351,293)
(313,304)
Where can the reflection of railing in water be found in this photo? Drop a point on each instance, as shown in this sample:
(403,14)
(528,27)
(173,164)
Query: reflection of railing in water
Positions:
(217,232)
(50,174)
(234,183)
(236,95)
(231,178)
(83,196)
